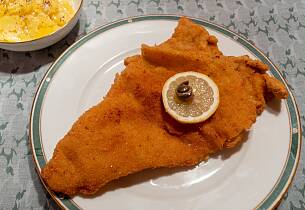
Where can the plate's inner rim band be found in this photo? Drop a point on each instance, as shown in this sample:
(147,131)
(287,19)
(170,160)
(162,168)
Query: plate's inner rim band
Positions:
(294,119)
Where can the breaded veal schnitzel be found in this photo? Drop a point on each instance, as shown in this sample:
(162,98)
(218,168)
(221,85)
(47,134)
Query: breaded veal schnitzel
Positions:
(129,130)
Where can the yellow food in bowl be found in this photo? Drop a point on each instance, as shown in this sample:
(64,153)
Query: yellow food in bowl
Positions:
(24,20)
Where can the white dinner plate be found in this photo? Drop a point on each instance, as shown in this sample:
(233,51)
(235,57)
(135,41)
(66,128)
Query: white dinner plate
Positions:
(254,175)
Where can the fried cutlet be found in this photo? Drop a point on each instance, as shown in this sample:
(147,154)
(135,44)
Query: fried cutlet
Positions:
(129,130)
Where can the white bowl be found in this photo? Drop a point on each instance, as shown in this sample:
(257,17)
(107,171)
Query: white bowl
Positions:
(49,39)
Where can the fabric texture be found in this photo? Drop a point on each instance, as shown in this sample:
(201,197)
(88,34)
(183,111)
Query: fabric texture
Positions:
(277,27)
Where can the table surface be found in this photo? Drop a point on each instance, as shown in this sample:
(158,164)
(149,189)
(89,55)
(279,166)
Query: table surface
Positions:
(276,27)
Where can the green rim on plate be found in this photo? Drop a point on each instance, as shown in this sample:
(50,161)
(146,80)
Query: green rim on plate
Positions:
(278,191)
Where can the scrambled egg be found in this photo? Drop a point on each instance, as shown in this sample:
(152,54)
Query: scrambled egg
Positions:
(23,20)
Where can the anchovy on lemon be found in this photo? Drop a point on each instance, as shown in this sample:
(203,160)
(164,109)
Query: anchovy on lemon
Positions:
(190,97)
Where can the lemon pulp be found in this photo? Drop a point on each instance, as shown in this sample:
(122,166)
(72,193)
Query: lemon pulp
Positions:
(24,20)
(204,101)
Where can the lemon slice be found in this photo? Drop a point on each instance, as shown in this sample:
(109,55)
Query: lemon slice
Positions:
(190,97)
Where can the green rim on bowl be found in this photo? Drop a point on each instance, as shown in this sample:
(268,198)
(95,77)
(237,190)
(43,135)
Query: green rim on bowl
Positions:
(278,191)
